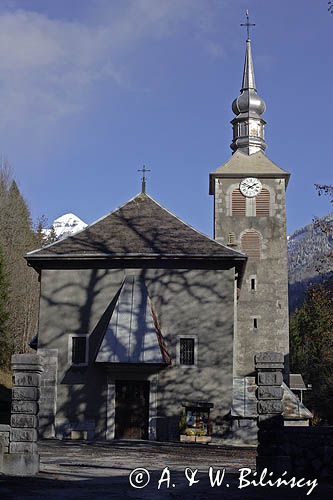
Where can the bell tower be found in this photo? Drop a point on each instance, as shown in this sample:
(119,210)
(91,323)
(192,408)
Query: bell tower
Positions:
(250,216)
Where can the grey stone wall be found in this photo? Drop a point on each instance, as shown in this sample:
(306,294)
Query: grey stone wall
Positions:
(269,302)
(196,302)
(48,393)
(203,307)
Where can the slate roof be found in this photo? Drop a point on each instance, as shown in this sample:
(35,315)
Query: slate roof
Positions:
(140,228)
(240,164)
(255,163)
(133,334)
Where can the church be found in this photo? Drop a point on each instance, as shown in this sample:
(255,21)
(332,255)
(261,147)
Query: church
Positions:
(148,328)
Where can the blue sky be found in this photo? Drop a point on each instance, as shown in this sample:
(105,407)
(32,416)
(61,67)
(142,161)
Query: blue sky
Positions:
(90,90)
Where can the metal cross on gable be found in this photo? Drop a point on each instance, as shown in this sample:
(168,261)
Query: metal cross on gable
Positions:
(247,24)
(143,179)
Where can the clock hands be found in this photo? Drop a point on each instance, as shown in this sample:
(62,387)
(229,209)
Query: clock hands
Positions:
(250,187)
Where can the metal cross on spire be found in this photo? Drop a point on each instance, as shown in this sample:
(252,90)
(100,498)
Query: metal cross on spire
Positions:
(247,24)
(143,179)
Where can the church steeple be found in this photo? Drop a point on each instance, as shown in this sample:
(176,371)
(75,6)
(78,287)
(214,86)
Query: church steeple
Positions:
(248,125)
(248,72)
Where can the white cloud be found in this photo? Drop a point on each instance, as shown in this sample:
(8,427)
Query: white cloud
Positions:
(48,66)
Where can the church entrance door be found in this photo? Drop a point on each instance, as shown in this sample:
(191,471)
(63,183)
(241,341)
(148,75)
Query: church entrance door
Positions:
(132,409)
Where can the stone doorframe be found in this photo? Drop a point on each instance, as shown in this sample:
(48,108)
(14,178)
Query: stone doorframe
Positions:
(111,407)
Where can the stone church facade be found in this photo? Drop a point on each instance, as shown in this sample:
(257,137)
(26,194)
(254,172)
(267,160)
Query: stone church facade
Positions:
(148,329)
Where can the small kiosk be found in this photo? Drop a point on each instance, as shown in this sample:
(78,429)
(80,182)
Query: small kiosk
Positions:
(195,423)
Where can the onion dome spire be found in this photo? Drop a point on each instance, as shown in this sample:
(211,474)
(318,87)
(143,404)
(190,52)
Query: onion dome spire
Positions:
(248,125)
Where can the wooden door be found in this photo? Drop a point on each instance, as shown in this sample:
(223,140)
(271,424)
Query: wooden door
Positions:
(132,409)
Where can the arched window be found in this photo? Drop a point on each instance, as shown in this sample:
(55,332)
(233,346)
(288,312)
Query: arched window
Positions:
(263,201)
(238,203)
(251,244)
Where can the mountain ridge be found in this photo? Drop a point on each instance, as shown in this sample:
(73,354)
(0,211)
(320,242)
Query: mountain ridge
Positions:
(309,258)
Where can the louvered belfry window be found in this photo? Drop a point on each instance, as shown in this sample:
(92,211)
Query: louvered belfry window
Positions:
(251,244)
(263,203)
(186,351)
(238,203)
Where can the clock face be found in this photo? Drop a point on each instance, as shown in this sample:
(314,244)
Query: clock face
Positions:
(250,187)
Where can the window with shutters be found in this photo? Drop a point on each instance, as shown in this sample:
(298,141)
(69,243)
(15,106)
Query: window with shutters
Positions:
(78,350)
(238,203)
(251,244)
(263,202)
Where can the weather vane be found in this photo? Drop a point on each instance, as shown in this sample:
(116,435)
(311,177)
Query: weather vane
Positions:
(247,24)
(143,179)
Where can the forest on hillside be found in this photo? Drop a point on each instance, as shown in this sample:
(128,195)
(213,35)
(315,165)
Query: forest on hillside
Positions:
(311,323)
(19,287)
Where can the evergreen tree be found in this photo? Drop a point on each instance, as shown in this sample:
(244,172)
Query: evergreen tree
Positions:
(17,238)
(52,236)
(5,343)
(311,342)
(40,236)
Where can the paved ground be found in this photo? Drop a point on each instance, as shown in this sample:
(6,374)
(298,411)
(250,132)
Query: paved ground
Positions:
(99,471)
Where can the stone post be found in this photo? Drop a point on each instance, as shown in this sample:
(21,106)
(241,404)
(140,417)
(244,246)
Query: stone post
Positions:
(271,442)
(23,458)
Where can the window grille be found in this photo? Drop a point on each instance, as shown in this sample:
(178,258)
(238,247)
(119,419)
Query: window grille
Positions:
(186,351)
(263,203)
(251,244)
(79,349)
(238,203)
(231,239)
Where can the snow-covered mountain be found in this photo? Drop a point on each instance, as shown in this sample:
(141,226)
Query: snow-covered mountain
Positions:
(66,225)
(310,252)
(308,248)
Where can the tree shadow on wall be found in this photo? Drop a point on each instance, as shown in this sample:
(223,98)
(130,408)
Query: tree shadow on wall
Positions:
(189,297)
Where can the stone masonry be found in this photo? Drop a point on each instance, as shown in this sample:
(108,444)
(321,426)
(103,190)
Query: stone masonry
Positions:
(271,437)
(23,458)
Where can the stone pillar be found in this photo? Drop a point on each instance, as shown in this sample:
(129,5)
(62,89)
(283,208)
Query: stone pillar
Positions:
(4,437)
(271,442)
(23,458)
